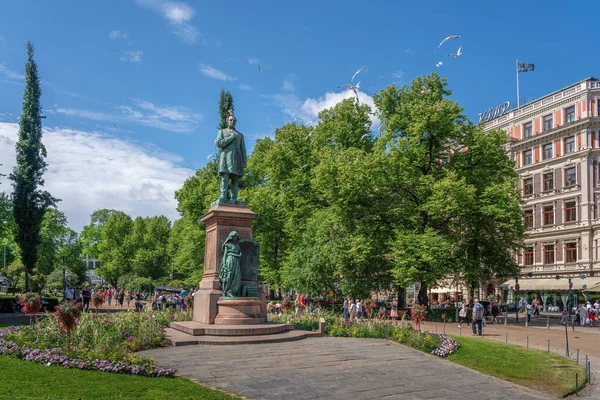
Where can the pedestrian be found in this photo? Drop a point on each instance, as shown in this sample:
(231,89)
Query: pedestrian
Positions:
(70,293)
(582,315)
(86,294)
(462,315)
(494,313)
(352,310)
(564,319)
(359,309)
(592,316)
(394,310)
(529,308)
(297,307)
(121,297)
(345,311)
(477,318)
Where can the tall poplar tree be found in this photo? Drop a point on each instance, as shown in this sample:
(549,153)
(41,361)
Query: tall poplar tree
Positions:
(30,202)
(225,104)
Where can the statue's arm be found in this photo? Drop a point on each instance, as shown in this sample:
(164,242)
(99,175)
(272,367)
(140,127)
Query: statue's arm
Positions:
(223,142)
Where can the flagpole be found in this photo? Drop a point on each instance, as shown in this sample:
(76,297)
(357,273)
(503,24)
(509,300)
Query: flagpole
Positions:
(518,99)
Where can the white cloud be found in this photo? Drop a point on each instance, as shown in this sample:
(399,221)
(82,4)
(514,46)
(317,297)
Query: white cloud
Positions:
(11,74)
(253,60)
(214,73)
(137,180)
(179,15)
(117,34)
(398,74)
(244,87)
(141,112)
(288,85)
(309,109)
(131,56)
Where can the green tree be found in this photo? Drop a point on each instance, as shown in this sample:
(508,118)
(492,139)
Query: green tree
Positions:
(149,240)
(29,201)
(186,249)
(7,231)
(115,247)
(90,234)
(225,104)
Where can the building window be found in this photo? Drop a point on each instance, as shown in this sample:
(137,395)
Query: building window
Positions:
(570,144)
(549,215)
(547,151)
(549,254)
(528,255)
(570,114)
(527,186)
(570,176)
(528,218)
(548,122)
(571,252)
(527,130)
(570,212)
(527,157)
(548,181)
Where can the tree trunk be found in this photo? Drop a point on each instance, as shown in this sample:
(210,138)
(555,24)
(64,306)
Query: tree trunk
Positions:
(26,279)
(422,295)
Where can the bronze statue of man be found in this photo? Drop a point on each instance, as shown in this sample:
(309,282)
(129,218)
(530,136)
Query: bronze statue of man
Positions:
(232,161)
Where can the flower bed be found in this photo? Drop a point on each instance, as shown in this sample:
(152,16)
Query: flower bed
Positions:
(104,342)
(401,332)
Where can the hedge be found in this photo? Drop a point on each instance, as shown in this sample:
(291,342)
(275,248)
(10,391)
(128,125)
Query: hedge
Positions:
(6,307)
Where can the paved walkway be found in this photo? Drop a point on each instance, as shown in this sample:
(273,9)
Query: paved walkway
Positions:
(333,368)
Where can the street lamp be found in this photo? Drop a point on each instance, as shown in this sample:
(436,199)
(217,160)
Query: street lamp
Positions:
(64,268)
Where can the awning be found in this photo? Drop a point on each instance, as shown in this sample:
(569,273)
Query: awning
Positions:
(552,284)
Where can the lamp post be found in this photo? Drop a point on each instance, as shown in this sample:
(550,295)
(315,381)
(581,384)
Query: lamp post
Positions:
(517,287)
(64,268)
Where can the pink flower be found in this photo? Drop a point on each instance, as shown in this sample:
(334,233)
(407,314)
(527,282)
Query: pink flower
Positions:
(129,338)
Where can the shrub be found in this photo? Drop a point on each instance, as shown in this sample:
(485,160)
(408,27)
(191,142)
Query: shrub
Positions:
(66,317)
(31,303)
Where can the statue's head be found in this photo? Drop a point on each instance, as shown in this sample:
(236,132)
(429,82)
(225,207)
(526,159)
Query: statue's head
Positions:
(231,120)
(233,236)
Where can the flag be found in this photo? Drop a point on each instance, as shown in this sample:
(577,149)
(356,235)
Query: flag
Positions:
(524,67)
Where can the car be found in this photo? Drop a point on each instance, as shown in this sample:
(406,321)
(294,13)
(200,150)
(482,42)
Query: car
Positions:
(487,307)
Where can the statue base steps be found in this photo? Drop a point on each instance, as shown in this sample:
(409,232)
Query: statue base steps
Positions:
(179,338)
(199,329)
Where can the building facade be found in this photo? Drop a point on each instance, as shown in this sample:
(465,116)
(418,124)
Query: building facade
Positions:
(555,145)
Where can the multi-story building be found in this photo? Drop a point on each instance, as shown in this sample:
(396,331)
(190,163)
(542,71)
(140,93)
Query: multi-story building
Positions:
(555,144)
(91,263)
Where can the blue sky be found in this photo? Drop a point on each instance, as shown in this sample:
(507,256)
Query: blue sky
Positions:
(155,69)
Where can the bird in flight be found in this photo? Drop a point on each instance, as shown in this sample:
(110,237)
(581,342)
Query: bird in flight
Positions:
(457,54)
(258,69)
(439,64)
(297,119)
(115,126)
(366,135)
(209,156)
(356,73)
(448,38)
(353,88)
(109,159)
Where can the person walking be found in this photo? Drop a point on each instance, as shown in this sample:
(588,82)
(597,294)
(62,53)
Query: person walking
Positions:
(529,308)
(462,315)
(86,295)
(359,309)
(345,311)
(477,318)
(494,313)
(352,310)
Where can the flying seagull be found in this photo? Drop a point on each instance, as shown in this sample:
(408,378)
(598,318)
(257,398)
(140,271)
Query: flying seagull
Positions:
(439,64)
(366,135)
(353,88)
(356,73)
(448,38)
(109,159)
(115,126)
(209,156)
(457,54)
(259,70)
(297,119)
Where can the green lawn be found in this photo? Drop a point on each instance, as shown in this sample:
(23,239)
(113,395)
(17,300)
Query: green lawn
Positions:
(23,379)
(536,369)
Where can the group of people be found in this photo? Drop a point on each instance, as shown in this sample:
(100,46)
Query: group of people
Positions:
(585,314)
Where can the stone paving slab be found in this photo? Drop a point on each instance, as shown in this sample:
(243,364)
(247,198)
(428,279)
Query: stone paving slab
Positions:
(333,368)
